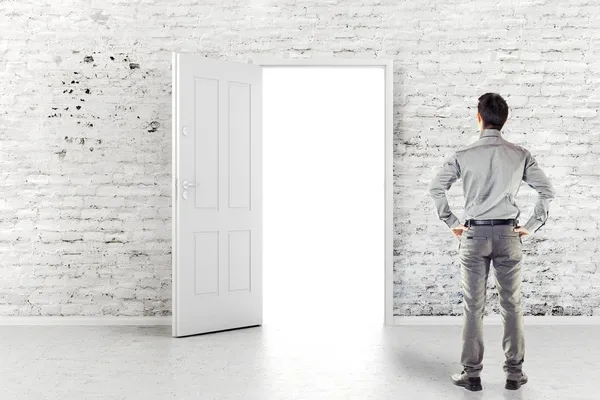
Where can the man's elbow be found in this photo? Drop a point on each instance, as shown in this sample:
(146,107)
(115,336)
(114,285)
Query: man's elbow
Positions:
(549,193)
(435,191)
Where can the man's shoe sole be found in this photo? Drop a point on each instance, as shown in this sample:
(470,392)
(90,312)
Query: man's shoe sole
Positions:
(469,386)
(513,385)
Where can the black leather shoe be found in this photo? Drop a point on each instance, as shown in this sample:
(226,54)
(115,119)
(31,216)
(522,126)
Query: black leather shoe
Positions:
(514,385)
(472,384)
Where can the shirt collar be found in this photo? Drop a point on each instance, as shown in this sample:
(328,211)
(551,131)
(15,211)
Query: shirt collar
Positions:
(490,133)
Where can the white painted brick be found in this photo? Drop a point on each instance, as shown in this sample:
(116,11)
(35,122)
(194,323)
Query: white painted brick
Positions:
(124,293)
(88,195)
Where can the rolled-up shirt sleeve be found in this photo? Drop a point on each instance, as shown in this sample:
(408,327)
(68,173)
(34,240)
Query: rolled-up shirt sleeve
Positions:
(537,179)
(442,181)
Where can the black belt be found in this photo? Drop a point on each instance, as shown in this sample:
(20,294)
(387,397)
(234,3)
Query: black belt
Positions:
(471,222)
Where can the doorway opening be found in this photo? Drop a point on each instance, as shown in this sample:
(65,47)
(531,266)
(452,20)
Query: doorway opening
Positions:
(324,195)
(326,201)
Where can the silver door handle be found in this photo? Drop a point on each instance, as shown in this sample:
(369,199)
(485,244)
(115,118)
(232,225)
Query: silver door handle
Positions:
(186,184)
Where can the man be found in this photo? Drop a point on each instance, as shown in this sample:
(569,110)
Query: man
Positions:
(491,169)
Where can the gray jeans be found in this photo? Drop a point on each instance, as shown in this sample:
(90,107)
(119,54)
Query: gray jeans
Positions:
(479,246)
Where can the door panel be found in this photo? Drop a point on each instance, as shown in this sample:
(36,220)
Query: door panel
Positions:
(217,207)
(206,159)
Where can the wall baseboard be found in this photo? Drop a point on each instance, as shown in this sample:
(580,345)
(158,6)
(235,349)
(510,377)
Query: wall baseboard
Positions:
(398,320)
(496,320)
(83,320)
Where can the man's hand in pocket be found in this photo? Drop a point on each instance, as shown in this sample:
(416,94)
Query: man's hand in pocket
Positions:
(522,231)
(458,230)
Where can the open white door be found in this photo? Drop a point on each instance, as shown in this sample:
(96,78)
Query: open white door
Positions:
(217,186)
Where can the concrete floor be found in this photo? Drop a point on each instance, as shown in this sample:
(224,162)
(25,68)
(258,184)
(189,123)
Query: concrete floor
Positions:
(404,362)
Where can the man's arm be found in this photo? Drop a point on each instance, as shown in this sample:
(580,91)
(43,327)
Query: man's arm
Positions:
(535,177)
(445,177)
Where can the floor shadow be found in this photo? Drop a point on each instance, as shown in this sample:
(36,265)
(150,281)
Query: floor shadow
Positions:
(425,366)
(432,370)
(164,331)
(513,394)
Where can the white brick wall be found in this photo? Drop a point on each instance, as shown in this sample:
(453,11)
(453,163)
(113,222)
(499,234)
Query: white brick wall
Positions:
(85,118)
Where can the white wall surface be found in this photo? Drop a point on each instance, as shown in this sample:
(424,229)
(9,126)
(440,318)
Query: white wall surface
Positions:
(85,121)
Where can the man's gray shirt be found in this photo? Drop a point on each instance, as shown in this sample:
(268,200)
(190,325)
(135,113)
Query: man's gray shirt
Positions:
(492,169)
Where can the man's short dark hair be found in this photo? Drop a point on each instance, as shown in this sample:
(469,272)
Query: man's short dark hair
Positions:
(493,110)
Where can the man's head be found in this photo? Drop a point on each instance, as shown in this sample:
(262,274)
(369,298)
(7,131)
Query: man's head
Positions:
(492,111)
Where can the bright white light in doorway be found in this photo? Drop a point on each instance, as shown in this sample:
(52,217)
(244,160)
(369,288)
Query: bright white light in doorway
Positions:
(323,193)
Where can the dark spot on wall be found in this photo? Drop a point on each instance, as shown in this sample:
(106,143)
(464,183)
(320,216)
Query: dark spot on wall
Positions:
(88,59)
(81,140)
(81,100)
(55,108)
(75,72)
(154,125)
(61,154)
(63,82)
(538,309)
(70,91)
(72,81)
(67,109)
(99,141)
(72,240)
(112,58)
(138,117)
(134,66)
(87,91)
(558,310)
(78,107)
(89,125)
(91,149)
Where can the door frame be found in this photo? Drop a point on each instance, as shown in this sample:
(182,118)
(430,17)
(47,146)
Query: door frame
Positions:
(388,67)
